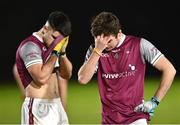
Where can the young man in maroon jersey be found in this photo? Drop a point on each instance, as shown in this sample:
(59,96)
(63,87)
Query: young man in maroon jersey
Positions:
(119,60)
(36,59)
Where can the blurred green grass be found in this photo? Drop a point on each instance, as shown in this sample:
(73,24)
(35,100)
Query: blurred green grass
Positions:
(84,103)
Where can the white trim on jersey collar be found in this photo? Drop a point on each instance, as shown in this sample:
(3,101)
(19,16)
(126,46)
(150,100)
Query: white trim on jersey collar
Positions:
(121,40)
(39,38)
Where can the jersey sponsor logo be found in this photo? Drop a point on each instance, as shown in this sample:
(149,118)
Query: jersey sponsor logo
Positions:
(32,54)
(131,72)
(132,67)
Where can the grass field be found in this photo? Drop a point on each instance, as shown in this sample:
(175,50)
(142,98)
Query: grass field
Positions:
(84,104)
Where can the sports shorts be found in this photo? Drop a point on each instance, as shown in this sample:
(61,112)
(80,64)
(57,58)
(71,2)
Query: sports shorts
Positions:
(43,112)
(139,122)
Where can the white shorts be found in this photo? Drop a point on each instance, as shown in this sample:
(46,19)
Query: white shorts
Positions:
(43,112)
(139,122)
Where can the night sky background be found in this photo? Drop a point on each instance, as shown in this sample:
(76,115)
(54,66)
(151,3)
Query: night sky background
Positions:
(157,21)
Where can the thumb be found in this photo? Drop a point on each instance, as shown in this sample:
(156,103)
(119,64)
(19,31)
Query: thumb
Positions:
(139,107)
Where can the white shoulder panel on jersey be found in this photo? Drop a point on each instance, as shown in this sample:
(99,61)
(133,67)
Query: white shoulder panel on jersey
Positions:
(149,52)
(30,54)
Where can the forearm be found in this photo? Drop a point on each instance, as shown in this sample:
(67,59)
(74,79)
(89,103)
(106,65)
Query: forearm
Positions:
(87,70)
(168,73)
(63,85)
(65,67)
(42,72)
(165,83)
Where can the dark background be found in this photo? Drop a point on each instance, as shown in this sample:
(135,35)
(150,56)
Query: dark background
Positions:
(158,21)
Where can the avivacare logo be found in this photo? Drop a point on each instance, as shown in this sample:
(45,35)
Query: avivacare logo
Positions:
(131,72)
(132,67)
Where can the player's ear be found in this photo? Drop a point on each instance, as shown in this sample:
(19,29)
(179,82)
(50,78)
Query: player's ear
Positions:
(119,34)
(56,33)
(45,29)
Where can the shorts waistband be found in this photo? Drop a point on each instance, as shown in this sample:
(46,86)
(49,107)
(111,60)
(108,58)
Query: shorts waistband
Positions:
(54,100)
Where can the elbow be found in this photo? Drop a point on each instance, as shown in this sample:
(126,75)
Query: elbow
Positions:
(67,73)
(66,76)
(69,76)
(170,72)
(82,80)
(174,71)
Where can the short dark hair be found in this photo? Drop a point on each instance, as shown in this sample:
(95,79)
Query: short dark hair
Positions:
(59,21)
(105,23)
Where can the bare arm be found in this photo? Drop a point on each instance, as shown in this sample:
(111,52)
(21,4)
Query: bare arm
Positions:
(65,67)
(168,73)
(42,72)
(31,54)
(63,88)
(63,74)
(87,70)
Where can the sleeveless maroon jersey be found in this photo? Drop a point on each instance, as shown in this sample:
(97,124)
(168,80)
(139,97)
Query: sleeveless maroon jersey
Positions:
(121,74)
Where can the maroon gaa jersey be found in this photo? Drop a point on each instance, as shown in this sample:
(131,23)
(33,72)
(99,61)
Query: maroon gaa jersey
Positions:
(121,74)
(30,51)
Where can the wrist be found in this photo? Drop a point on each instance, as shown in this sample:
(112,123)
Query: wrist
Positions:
(62,53)
(97,51)
(155,100)
(56,53)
